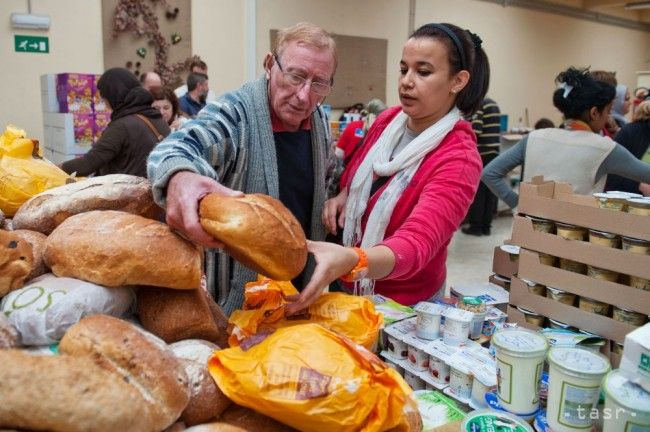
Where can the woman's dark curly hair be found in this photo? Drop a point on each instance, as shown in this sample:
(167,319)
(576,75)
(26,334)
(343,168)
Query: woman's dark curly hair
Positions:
(579,92)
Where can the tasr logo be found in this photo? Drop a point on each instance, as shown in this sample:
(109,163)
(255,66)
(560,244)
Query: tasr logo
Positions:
(644,365)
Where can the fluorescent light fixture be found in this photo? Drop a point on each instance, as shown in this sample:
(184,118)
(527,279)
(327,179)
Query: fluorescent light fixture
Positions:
(638,5)
(30,22)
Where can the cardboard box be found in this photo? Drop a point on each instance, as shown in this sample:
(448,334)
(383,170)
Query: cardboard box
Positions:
(68,133)
(503,263)
(557,202)
(56,157)
(49,100)
(75,92)
(635,364)
(99,104)
(101,120)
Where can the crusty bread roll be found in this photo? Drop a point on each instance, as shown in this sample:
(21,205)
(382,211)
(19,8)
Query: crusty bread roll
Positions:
(37,241)
(258,231)
(67,394)
(138,357)
(215,427)
(9,337)
(113,248)
(45,211)
(16,262)
(175,315)
(252,421)
(207,401)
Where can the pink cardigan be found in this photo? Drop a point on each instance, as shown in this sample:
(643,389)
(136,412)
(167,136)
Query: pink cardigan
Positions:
(428,213)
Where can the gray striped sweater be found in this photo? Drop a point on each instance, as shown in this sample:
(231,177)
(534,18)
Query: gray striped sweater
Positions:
(231,141)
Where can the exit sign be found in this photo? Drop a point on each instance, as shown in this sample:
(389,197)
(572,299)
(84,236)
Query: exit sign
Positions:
(31,44)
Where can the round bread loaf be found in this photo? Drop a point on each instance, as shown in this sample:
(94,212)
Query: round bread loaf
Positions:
(113,248)
(9,337)
(45,211)
(252,421)
(37,241)
(138,357)
(215,427)
(258,231)
(16,262)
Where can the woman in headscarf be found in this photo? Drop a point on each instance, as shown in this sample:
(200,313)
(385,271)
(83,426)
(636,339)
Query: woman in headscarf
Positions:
(622,103)
(135,129)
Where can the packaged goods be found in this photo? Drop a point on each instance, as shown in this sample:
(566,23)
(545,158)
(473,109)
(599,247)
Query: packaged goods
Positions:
(299,384)
(635,363)
(543,225)
(511,250)
(638,206)
(532,317)
(627,405)
(636,246)
(520,361)
(16,261)
(477,307)
(547,259)
(428,320)
(490,293)
(439,370)
(602,238)
(628,316)
(602,274)
(573,266)
(460,381)
(457,326)
(612,201)
(535,288)
(593,306)
(390,309)
(397,348)
(488,420)
(617,348)
(258,231)
(558,325)
(74,92)
(575,375)
(418,358)
(478,393)
(571,232)
(43,310)
(560,296)
(503,281)
(640,283)
(493,319)
(414,381)
(436,409)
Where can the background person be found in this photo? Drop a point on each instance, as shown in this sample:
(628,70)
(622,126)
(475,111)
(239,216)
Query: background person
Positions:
(165,101)
(195,99)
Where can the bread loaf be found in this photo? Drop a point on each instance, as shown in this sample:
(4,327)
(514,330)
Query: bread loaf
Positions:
(139,358)
(175,315)
(258,231)
(206,399)
(16,262)
(37,242)
(67,394)
(215,427)
(252,421)
(9,337)
(45,211)
(114,248)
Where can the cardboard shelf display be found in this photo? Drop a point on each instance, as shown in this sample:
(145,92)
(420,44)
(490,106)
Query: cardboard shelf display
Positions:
(503,263)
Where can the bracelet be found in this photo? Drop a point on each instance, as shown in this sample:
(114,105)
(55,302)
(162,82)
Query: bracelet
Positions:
(360,270)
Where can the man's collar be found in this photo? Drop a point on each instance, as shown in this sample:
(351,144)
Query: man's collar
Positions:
(278,126)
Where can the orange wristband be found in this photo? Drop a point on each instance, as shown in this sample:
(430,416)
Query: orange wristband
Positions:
(360,270)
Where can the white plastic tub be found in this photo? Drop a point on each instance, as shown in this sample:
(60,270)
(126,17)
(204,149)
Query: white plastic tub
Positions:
(627,405)
(488,420)
(427,325)
(460,382)
(397,348)
(457,324)
(439,370)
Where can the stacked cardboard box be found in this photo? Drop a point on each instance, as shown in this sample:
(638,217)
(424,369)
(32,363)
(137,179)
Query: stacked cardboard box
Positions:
(74,115)
(557,202)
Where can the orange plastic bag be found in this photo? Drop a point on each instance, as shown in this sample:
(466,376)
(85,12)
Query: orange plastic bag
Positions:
(352,316)
(313,379)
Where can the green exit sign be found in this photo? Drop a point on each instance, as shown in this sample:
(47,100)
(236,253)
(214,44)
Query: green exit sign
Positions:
(32,44)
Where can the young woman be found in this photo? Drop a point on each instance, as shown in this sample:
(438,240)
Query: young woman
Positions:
(409,185)
(577,154)
(166,102)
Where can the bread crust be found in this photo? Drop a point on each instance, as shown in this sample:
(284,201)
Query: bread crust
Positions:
(37,241)
(16,262)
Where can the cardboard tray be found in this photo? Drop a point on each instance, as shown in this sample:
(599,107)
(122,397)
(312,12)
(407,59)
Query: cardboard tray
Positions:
(603,326)
(502,263)
(557,202)
(623,296)
(608,258)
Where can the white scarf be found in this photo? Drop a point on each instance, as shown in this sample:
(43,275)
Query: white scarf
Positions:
(403,167)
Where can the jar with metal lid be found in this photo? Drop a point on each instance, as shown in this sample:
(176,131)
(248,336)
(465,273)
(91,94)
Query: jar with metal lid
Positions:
(611,201)
(535,287)
(638,206)
(617,348)
(636,245)
(602,274)
(639,283)
(628,316)
(547,259)
(606,239)
(593,306)
(561,296)
(542,225)
(558,325)
(573,266)
(570,232)
(532,317)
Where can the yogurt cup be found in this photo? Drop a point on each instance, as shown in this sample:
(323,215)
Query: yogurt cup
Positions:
(635,245)
(439,370)
(603,238)
(477,307)
(427,324)
(573,266)
(593,306)
(520,360)
(611,200)
(575,375)
(542,225)
(414,381)
(457,323)
(460,382)
(602,274)
(397,348)
(627,404)
(628,316)
(570,232)
(489,420)
(535,288)
(558,325)
(638,206)
(418,358)
(561,296)
(532,317)
(640,283)
(478,393)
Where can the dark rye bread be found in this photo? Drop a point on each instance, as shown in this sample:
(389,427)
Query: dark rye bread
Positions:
(47,210)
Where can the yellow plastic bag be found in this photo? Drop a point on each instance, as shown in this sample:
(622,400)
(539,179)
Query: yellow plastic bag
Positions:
(23,173)
(352,316)
(313,379)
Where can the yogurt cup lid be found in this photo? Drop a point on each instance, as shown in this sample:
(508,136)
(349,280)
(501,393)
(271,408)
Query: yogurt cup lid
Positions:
(615,195)
(642,201)
(578,361)
(429,308)
(485,420)
(501,278)
(628,194)
(603,233)
(511,249)
(520,342)
(529,282)
(567,225)
(458,315)
(636,240)
(559,323)
(626,393)
(537,219)
(554,290)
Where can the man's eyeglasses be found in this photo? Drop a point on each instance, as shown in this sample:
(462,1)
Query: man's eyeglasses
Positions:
(318,87)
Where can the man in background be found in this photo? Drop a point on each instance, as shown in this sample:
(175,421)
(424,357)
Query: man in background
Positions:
(195,99)
(150,80)
(197,66)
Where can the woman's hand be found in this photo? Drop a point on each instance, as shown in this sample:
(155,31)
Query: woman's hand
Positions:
(644,188)
(334,212)
(332,261)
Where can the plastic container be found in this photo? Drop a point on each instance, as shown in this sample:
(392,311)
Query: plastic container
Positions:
(570,232)
(427,323)
(414,381)
(535,288)
(603,238)
(611,200)
(558,325)
(488,420)
(542,225)
(638,206)
(593,306)
(636,245)
(460,382)
(640,283)
(457,324)
(561,296)
(575,375)
(573,266)
(602,274)
(439,370)
(532,317)
(477,307)
(520,360)
(397,348)
(627,403)
(418,358)
(478,393)
(628,316)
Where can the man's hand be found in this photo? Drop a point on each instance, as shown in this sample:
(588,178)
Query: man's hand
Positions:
(184,192)
(644,188)
(334,212)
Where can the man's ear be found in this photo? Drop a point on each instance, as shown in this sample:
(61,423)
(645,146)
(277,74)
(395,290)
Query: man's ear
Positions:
(268,64)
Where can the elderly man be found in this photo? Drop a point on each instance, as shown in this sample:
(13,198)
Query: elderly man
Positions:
(270,136)
(150,80)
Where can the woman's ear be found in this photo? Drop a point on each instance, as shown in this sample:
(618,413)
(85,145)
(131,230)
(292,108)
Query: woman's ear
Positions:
(268,64)
(594,114)
(460,81)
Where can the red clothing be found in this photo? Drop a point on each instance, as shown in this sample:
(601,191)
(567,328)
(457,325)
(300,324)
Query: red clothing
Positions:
(427,214)
(351,137)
